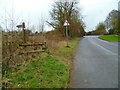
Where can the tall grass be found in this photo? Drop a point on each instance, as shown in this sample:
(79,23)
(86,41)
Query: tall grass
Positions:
(11,55)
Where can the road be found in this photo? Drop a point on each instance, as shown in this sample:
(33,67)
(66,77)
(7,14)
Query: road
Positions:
(95,64)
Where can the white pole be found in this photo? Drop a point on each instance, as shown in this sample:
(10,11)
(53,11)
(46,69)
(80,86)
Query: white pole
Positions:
(67,36)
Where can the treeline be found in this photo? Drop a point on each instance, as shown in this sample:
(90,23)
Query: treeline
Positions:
(70,11)
(110,26)
(112,22)
(116,27)
(100,30)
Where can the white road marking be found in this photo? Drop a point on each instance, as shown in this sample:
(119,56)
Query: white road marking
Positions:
(110,52)
(107,42)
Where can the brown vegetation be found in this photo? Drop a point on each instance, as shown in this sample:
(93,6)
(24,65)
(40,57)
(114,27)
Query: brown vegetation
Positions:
(14,52)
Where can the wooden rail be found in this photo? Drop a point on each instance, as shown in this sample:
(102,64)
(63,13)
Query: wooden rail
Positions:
(34,44)
(42,47)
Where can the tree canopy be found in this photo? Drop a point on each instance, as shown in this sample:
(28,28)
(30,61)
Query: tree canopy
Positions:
(112,22)
(100,26)
(70,11)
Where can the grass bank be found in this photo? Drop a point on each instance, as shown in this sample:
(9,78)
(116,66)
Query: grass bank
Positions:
(50,69)
(112,38)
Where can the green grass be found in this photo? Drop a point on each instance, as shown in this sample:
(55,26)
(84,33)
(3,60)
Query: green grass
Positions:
(111,38)
(50,70)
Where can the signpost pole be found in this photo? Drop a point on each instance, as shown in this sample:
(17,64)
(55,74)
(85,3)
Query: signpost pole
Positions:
(66,23)
(67,36)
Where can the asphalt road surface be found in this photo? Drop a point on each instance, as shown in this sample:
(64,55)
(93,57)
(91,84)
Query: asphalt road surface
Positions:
(95,64)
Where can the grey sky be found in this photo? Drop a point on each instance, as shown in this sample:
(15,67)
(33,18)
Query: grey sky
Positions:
(96,11)
(30,11)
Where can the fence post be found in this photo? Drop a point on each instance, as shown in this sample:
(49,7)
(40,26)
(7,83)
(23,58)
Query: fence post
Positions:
(24,36)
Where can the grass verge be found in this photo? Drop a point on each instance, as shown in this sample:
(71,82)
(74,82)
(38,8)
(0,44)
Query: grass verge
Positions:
(50,70)
(112,38)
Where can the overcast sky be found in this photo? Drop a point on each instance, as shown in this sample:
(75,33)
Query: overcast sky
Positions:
(30,11)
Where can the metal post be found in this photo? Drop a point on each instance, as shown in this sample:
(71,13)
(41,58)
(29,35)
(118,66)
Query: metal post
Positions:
(67,36)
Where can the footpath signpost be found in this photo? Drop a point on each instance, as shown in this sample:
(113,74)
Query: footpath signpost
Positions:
(23,28)
(66,23)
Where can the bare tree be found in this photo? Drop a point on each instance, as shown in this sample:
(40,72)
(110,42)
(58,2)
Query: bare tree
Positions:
(9,19)
(41,25)
(66,10)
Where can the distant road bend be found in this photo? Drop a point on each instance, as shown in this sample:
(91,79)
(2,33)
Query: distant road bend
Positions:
(95,64)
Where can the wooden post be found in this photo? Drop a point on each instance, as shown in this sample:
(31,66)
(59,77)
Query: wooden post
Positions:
(23,28)
(24,36)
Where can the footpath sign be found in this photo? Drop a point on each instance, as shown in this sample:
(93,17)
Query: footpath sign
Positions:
(66,23)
